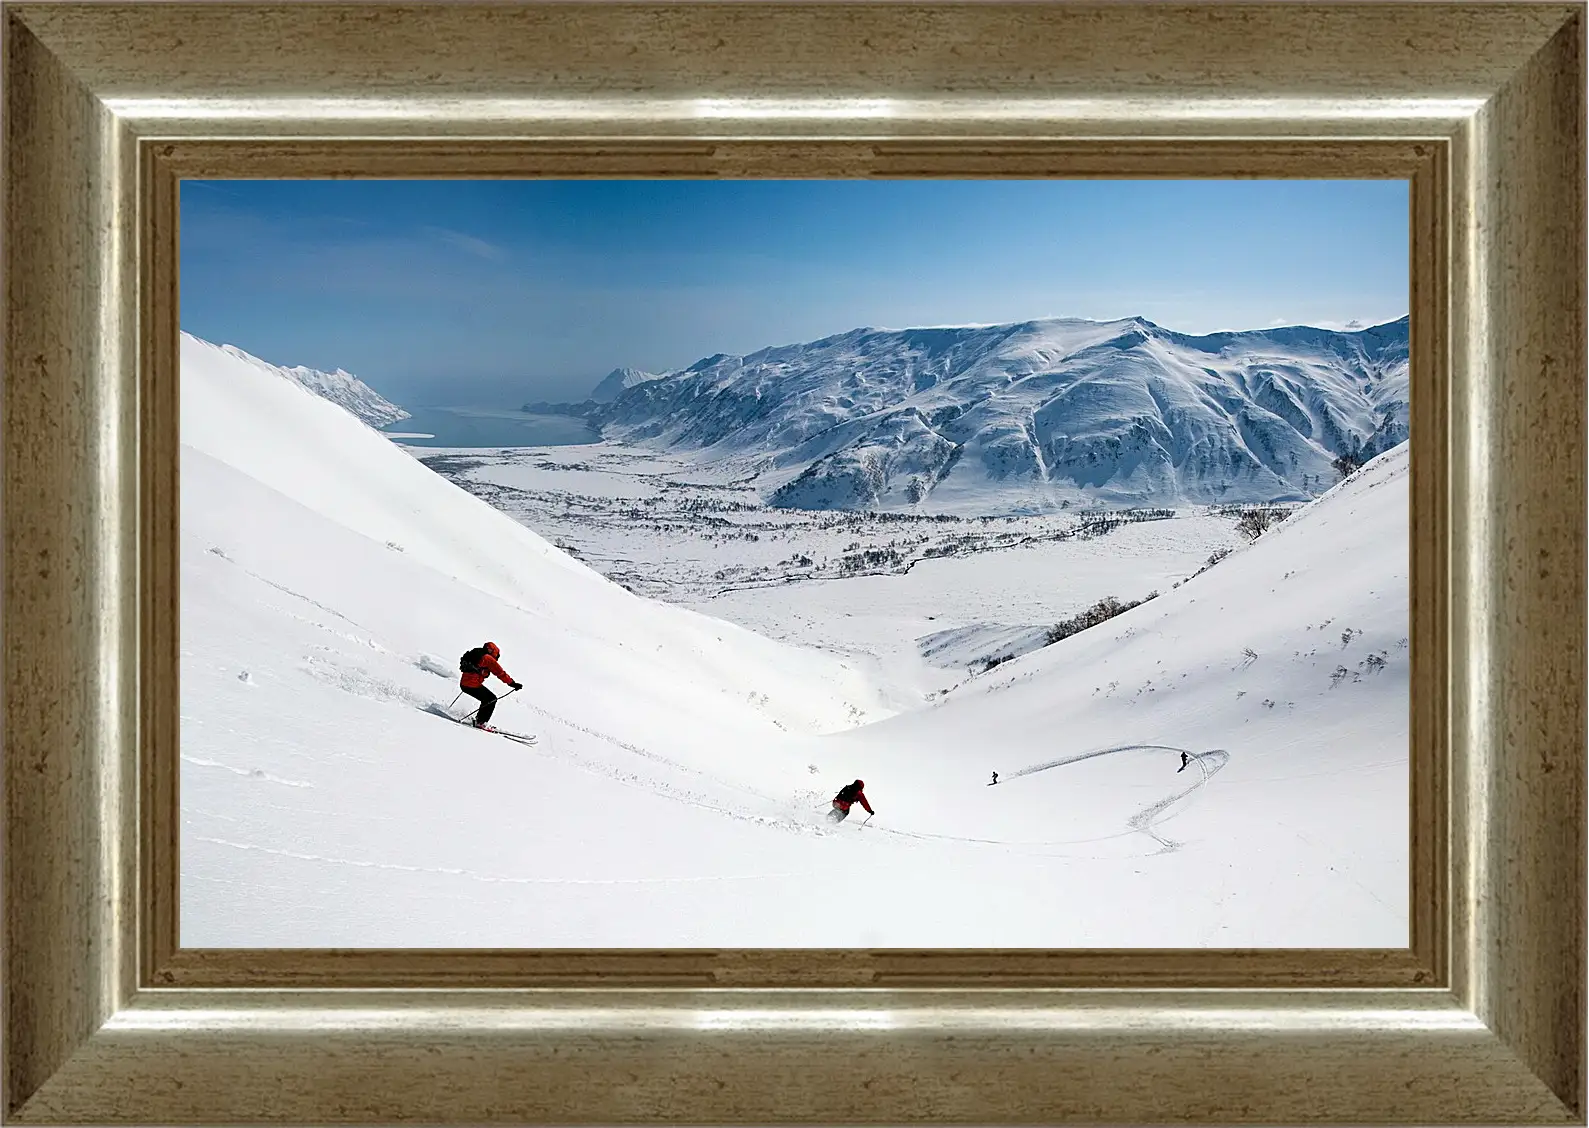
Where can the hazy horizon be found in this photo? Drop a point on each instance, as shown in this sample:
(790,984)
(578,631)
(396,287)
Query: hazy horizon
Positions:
(494,293)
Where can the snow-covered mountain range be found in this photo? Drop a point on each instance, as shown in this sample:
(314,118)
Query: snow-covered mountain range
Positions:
(342,388)
(1034,414)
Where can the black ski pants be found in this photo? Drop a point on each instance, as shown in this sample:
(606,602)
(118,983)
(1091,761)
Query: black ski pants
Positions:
(487,699)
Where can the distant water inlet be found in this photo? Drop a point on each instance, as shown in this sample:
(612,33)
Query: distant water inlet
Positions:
(487,427)
(1146,820)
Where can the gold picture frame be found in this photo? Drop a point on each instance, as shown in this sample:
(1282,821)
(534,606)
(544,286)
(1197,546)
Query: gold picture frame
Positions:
(1480,106)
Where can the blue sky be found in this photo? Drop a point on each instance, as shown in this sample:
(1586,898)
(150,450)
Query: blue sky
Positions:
(496,292)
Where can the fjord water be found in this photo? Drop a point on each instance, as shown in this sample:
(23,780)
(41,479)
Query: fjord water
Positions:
(486,427)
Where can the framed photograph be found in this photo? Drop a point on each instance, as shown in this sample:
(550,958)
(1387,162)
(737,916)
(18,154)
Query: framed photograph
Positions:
(1029,556)
(745,593)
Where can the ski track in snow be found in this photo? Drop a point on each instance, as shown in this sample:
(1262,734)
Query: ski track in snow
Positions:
(495,879)
(363,816)
(249,773)
(1145,819)
(1078,758)
(286,590)
(658,787)
(361,683)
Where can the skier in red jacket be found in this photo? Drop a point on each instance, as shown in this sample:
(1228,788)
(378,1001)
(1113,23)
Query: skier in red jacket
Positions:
(477,665)
(848,795)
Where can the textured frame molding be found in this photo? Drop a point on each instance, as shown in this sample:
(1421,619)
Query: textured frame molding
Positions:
(1480,1020)
(165,963)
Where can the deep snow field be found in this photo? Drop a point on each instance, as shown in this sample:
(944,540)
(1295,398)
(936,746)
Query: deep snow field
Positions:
(676,793)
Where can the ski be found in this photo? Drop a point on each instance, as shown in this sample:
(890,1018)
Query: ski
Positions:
(521,737)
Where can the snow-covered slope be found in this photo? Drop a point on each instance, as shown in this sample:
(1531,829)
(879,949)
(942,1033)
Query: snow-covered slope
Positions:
(1034,414)
(329,582)
(1283,670)
(342,388)
(675,797)
(618,381)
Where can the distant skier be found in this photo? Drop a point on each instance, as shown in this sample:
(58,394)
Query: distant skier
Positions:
(849,794)
(477,665)
(995,779)
(1184,762)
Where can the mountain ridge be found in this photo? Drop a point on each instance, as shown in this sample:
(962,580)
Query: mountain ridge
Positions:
(1033,414)
(341,387)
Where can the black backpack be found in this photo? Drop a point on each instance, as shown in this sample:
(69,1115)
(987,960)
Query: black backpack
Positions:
(847,793)
(470,662)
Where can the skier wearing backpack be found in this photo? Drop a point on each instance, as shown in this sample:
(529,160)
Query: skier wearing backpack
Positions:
(476,665)
(849,794)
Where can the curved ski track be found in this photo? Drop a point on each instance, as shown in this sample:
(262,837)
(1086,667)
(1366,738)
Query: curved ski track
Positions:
(1144,821)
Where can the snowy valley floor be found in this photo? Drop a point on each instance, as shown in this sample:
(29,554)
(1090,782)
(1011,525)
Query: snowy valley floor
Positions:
(677,792)
(922,600)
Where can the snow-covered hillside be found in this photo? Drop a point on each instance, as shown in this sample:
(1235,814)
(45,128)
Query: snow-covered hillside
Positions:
(1030,415)
(1285,667)
(341,388)
(329,582)
(677,791)
(618,381)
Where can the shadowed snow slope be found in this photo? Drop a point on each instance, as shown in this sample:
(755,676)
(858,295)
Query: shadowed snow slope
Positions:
(676,794)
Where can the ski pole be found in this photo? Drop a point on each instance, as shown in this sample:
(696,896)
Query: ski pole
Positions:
(476,712)
(509,693)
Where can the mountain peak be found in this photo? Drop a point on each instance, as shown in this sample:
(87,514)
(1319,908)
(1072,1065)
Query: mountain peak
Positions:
(618,381)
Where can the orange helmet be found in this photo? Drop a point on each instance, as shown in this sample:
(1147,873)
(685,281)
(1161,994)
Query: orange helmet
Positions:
(494,650)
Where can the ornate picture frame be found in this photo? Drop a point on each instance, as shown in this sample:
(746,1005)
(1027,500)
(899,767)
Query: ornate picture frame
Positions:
(108,106)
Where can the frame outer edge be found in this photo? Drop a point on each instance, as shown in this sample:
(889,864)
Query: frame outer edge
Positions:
(1525,375)
(67,880)
(67,409)
(791,1057)
(849,49)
